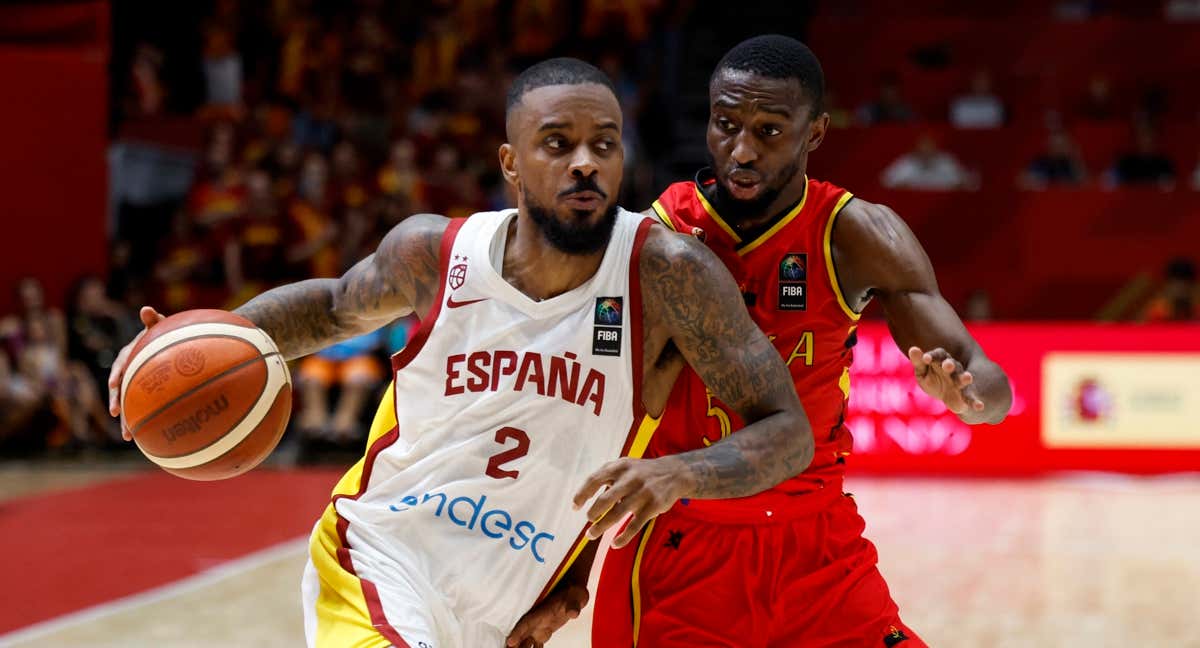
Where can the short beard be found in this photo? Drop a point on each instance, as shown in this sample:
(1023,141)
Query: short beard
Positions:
(739,210)
(576,237)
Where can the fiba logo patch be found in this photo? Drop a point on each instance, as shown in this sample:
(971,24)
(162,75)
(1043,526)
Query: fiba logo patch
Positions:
(793,281)
(457,275)
(606,334)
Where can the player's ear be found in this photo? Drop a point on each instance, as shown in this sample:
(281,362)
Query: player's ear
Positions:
(816,133)
(508,163)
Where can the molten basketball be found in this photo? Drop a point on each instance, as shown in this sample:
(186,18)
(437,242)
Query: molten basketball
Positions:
(206,395)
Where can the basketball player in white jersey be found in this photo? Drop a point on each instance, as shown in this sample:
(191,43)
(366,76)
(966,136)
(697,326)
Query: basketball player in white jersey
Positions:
(550,337)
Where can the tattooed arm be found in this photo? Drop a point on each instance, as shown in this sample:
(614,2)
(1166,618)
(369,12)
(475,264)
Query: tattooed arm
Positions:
(401,276)
(690,291)
(692,301)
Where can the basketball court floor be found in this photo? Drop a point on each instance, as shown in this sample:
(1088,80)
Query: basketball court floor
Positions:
(128,556)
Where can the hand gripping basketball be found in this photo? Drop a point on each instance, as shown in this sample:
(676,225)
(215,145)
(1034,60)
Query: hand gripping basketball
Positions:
(205,394)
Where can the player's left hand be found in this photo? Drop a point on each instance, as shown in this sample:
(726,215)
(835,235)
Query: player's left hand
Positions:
(945,378)
(642,487)
(559,607)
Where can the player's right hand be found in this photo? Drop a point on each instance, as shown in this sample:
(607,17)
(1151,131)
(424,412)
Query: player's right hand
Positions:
(150,317)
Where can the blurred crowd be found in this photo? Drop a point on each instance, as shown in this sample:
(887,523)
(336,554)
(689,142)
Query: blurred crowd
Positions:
(327,123)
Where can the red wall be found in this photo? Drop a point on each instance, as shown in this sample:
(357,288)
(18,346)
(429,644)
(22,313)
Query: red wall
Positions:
(53,132)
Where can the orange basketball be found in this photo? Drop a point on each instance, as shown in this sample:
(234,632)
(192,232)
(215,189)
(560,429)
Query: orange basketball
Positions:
(206,395)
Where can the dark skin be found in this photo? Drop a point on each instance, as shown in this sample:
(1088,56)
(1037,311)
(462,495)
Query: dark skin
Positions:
(759,128)
(691,307)
(760,134)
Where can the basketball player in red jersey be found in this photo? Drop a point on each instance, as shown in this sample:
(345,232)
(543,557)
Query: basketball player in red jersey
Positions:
(789,566)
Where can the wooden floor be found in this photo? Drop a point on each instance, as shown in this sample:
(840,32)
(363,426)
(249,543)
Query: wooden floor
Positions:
(1072,561)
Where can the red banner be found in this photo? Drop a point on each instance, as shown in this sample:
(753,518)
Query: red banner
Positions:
(1086,397)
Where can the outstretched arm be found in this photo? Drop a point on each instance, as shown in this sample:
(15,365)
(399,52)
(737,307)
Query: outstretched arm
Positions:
(401,275)
(689,292)
(877,256)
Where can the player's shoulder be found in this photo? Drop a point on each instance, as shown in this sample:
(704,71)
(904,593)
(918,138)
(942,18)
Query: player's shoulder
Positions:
(668,252)
(863,220)
(678,204)
(416,237)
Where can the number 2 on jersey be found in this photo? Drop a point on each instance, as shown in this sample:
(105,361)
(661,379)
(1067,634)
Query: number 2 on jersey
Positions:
(522,448)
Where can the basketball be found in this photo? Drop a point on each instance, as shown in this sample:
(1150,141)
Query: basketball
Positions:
(206,395)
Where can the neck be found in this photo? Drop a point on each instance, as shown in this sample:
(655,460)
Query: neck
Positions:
(538,269)
(787,198)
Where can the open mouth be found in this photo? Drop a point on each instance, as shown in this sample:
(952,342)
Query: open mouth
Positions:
(743,185)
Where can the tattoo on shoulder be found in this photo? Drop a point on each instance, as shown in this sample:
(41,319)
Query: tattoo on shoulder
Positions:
(401,276)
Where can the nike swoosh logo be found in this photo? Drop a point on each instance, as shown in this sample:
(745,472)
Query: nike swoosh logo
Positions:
(450,303)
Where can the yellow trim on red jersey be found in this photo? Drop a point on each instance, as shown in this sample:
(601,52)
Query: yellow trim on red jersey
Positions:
(830,270)
(749,247)
(636,587)
(715,216)
(662,215)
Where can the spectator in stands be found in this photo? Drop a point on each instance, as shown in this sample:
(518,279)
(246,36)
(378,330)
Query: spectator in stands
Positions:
(1146,164)
(979,108)
(26,419)
(97,327)
(311,219)
(222,68)
(218,197)
(148,95)
(927,168)
(887,107)
(187,266)
(37,340)
(255,252)
(1179,298)
(1060,164)
(351,367)
(400,180)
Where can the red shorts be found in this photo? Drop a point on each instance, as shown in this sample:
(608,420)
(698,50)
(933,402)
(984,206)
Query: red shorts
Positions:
(773,571)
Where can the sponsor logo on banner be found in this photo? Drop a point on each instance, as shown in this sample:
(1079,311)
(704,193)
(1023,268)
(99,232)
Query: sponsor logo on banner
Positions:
(1121,400)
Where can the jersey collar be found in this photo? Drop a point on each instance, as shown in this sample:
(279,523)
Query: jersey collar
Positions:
(705,178)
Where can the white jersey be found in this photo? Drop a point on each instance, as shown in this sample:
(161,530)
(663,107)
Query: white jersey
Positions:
(503,406)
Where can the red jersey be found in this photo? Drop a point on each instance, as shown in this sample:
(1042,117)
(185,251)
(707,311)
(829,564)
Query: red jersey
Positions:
(787,276)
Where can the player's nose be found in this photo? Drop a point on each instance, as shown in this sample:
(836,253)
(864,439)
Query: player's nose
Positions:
(583,163)
(744,152)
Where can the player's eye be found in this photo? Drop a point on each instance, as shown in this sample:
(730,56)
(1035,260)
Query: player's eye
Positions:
(605,145)
(555,142)
(724,124)
(770,130)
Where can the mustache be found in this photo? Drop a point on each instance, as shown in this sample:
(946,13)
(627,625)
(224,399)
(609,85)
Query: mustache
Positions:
(584,184)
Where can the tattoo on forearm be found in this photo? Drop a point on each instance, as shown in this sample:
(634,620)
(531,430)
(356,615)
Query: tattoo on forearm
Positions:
(739,365)
(298,316)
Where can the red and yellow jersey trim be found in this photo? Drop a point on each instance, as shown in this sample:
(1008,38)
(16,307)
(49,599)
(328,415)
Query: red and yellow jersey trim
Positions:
(712,213)
(782,223)
(829,267)
(661,212)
